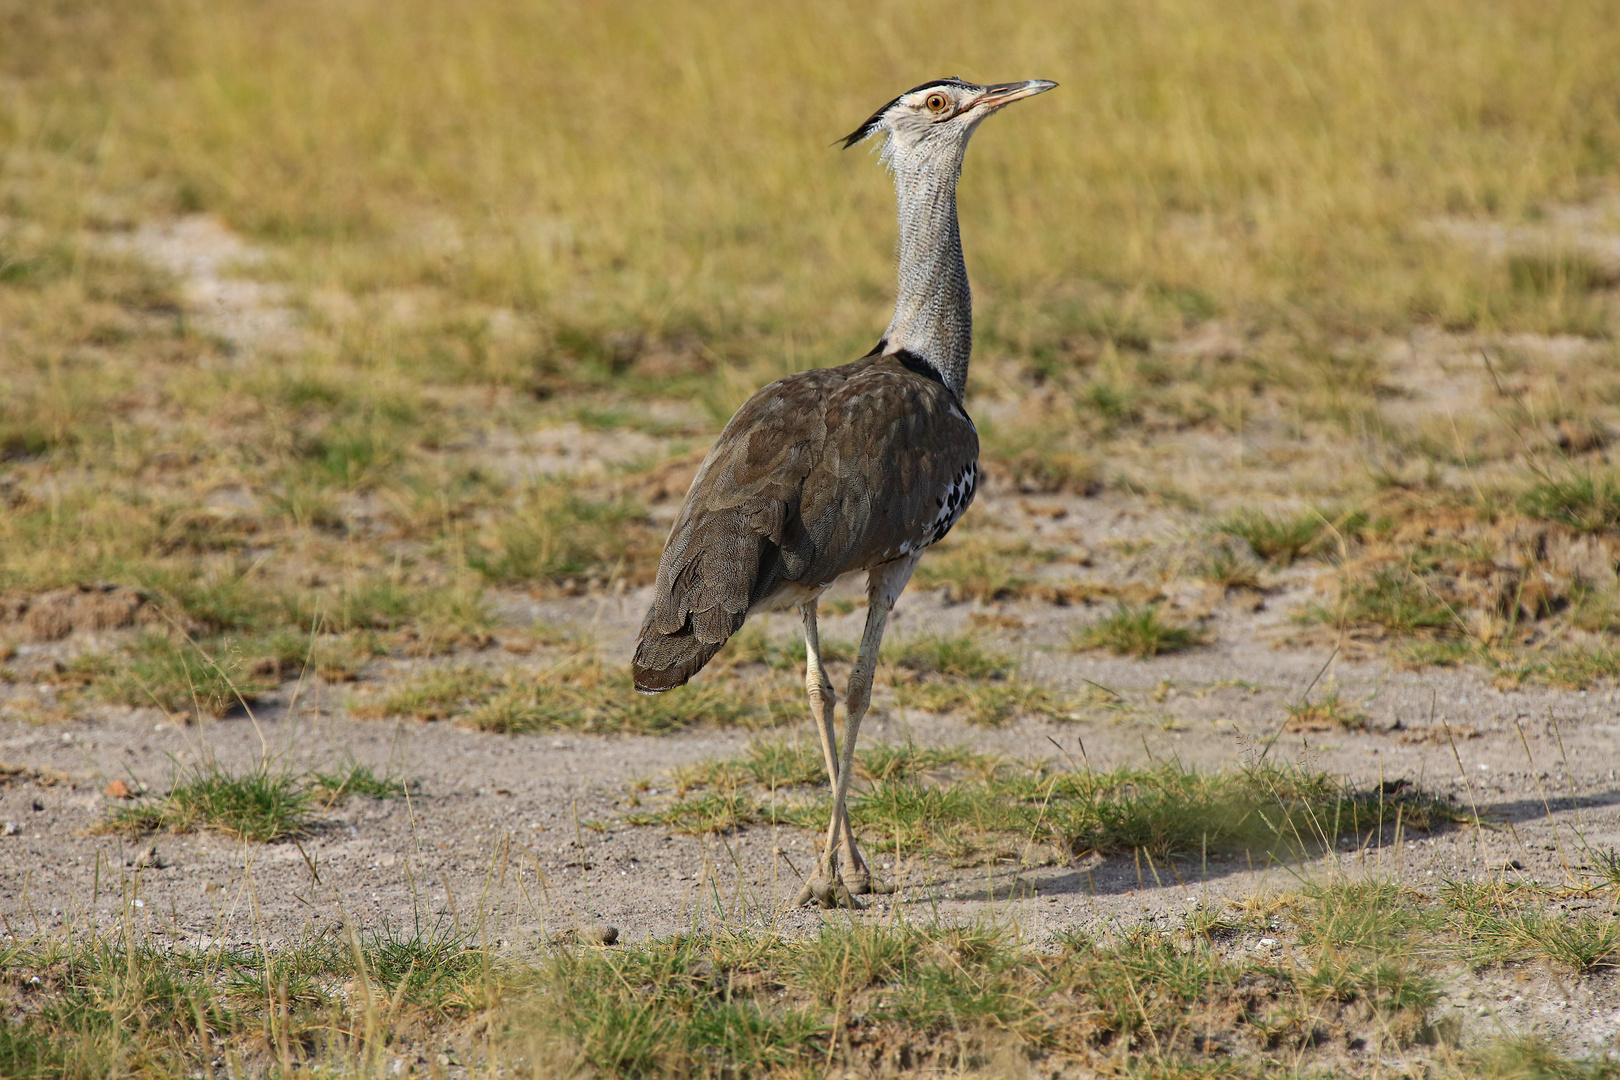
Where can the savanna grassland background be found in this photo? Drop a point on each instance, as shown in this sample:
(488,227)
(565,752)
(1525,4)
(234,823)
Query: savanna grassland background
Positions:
(338,340)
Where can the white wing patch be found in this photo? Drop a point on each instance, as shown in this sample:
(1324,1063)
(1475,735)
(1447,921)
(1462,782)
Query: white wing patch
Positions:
(950,504)
(954,502)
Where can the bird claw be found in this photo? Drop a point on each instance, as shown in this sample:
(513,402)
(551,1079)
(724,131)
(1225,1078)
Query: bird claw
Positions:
(835,894)
(829,891)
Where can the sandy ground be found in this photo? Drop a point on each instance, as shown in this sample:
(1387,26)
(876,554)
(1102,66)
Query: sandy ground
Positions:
(528,832)
(530,829)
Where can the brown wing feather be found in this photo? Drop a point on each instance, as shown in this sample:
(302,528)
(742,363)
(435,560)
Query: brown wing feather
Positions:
(818,474)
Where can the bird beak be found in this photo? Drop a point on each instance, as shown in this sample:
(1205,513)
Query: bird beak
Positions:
(996,96)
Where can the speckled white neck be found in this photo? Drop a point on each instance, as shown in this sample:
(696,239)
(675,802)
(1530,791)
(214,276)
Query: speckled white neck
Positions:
(933,311)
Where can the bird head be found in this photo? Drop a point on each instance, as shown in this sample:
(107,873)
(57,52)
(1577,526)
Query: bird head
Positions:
(939,116)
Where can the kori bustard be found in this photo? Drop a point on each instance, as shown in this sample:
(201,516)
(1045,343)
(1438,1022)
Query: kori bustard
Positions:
(859,467)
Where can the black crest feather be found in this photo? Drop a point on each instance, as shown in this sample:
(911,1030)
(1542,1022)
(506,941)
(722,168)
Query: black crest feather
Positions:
(872,121)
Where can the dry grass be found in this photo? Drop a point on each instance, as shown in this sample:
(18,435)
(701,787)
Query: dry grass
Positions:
(124,1004)
(1326,713)
(1471,580)
(1200,231)
(1138,630)
(493,219)
(479,152)
(260,805)
(1360,969)
(958,675)
(971,809)
(973,568)
(263,804)
(579,693)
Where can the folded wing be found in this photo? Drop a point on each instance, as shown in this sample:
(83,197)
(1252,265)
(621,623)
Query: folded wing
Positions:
(818,474)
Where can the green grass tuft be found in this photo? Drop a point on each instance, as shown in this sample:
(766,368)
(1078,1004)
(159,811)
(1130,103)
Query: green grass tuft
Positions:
(1326,713)
(178,676)
(1556,274)
(589,706)
(1535,1057)
(771,764)
(969,808)
(974,569)
(1396,598)
(706,814)
(581,694)
(752,645)
(990,703)
(214,603)
(956,674)
(1503,923)
(1228,568)
(693,1018)
(437,969)
(259,805)
(961,657)
(1578,668)
(923,997)
(120,1005)
(1045,469)
(1280,538)
(1587,502)
(336,786)
(561,535)
(436,694)
(1136,630)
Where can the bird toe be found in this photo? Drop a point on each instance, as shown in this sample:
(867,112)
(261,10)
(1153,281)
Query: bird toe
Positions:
(864,883)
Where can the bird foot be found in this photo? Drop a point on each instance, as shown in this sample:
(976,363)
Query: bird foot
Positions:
(863,882)
(828,890)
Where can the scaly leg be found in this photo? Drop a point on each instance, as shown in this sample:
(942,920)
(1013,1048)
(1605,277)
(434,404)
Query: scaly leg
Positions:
(859,877)
(883,587)
(819,688)
(857,874)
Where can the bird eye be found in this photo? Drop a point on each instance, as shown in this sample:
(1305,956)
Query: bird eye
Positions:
(936,102)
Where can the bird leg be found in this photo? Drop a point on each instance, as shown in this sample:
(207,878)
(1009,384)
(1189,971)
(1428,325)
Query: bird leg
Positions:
(819,688)
(883,587)
(828,885)
(856,699)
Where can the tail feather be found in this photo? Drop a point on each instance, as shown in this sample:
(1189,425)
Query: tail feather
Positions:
(707,581)
(665,661)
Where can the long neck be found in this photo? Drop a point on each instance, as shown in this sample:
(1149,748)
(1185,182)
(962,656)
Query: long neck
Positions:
(933,313)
